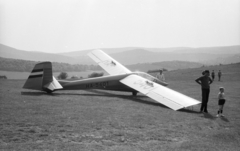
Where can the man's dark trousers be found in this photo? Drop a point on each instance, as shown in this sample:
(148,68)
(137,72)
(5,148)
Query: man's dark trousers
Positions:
(205,96)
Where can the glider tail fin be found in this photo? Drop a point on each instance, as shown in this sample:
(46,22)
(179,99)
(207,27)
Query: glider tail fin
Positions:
(41,78)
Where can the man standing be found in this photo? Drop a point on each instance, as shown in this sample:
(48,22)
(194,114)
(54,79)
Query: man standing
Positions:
(219,75)
(213,75)
(205,82)
(160,76)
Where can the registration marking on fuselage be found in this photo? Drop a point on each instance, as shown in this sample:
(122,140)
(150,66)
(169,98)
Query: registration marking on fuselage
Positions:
(97,85)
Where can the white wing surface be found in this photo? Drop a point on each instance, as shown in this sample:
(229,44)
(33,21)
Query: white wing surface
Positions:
(161,94)
(107,63)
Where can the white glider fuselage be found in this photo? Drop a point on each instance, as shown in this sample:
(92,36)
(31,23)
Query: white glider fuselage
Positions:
(111,82)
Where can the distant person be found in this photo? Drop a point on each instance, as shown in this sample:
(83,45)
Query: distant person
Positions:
(205,82)
(221,101)
(160,76)
(213,75)
(219,75)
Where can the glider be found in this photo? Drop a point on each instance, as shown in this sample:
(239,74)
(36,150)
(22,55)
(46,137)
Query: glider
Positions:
(119,79)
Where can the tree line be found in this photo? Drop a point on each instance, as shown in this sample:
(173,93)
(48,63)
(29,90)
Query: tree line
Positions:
(7,64)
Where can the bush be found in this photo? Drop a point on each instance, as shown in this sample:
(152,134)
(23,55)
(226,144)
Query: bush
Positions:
(63,75)
(95,74)
(3,77)
(74,77)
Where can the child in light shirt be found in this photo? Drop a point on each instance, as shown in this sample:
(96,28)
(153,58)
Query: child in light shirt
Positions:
(221,101)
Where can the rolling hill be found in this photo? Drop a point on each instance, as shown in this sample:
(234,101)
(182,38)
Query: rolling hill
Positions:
(212,50)
(134,55)
(9,52)
(143,56)
(85,52)
(7,64)
(169,65)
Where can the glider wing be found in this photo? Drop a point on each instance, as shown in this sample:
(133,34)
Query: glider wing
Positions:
(161,94)
(107,63)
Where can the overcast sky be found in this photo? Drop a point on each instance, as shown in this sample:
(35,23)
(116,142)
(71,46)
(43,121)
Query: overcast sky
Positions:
(71,25)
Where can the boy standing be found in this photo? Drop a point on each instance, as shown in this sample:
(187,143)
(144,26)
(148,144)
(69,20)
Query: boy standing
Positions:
(205,82)
(221,101)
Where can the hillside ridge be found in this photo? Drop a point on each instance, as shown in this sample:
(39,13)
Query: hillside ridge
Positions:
(134,55)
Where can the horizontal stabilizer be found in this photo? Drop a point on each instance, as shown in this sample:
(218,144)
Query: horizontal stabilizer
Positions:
(54,85)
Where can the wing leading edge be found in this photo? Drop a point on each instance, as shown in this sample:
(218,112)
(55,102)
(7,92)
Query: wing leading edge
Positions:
(161,94)
(107,63)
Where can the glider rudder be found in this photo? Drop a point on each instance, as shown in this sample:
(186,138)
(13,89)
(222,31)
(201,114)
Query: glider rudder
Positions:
(41,78)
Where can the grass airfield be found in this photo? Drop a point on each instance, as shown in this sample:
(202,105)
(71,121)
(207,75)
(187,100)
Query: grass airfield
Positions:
(116,121)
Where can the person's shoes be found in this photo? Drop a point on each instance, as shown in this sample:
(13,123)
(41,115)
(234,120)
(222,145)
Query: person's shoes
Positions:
(222,115)
(205,111)
(217,115)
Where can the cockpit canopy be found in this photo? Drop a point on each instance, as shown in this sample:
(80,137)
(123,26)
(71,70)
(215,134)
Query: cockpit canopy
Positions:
(146,76)
(150,78)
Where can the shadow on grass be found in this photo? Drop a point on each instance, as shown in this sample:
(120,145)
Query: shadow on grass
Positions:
(138,99)
(188,111)
(209,116)
(97,94)
(224,119)
(34,93)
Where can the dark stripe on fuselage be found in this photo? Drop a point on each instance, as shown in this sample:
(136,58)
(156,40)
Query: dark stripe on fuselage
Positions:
(37,70)
(35,76)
